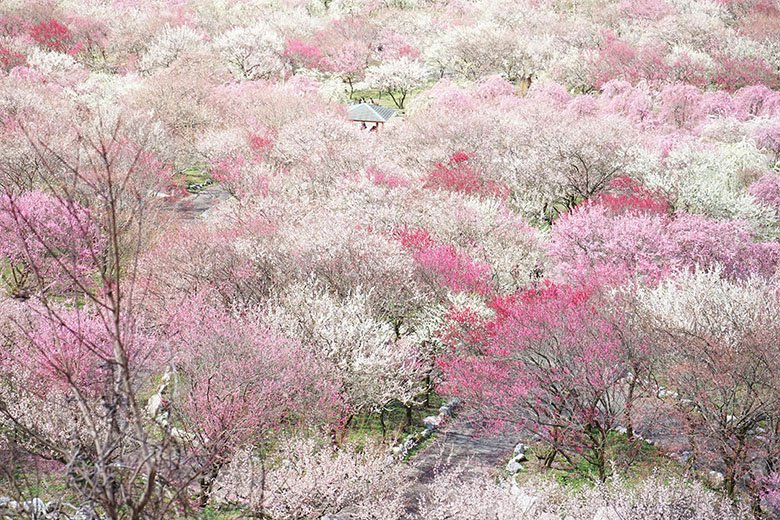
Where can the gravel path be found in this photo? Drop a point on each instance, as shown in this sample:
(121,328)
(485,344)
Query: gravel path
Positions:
(459,445)
(194,206)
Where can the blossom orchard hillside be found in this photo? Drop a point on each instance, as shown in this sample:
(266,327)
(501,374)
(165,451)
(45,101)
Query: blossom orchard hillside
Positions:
(219,295)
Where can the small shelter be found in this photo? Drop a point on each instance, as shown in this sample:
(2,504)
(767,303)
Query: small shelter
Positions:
(369,116)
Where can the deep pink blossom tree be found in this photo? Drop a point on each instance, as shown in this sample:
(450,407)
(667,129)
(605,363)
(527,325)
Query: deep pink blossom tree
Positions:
(459,175)
(302,55)
(548,361)
(443,264)
(48,244)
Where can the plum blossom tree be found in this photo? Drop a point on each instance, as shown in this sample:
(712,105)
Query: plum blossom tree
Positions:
(52,35)
(373,365)
(590,238)
(313,479)
(10,58)
(398,78)
(443,264)
(548,361)
(492,47)
(302,55)
(722,364)
(90,345)
(654,497)
(552,167)
(45,240)
(235,383)
(170,44)
(459,176)
(767,191)
(712,182)
(252,52)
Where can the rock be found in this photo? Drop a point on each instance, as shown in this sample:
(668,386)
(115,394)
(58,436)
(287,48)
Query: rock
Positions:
(8,503)
(548,516)
(519,448)
(35,507)
(433,421)
(513,466)
(520,457)
(449,407)
(620,429)
(85,513)
(715,478)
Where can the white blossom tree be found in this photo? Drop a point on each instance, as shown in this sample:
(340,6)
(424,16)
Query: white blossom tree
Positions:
(252,52)
(398,78)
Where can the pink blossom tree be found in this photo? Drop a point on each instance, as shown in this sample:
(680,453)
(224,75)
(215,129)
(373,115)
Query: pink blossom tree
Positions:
(235,383)
(591,237)
(46,241)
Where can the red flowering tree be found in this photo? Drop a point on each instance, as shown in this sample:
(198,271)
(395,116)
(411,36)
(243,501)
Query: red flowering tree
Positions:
(52,35)
(550,362)
(460,175)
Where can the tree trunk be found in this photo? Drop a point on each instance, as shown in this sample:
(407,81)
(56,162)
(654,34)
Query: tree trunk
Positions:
(525,84)
(207,485)
(549,458)
(629,408)
(428,390)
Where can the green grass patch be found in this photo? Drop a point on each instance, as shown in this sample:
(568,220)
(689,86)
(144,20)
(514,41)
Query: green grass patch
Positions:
(223,512)
(384,99)
(634,461)
(368,427)
(195,179)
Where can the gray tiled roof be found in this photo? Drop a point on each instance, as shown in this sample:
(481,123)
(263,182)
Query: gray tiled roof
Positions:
(369,113)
